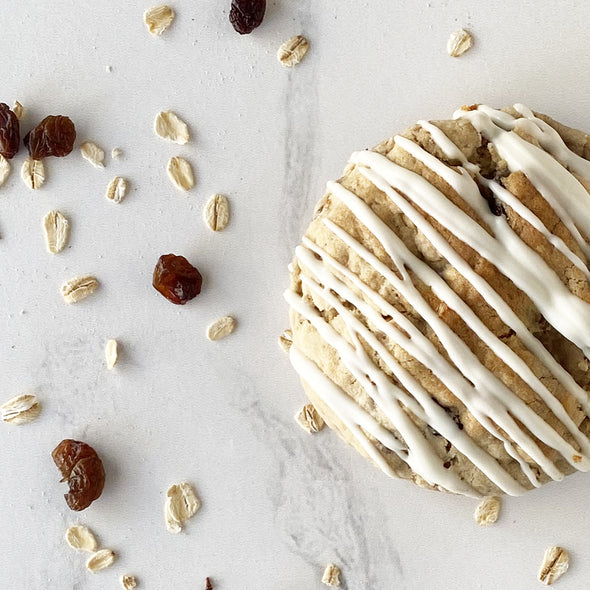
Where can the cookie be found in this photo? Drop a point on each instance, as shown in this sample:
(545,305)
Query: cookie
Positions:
(440,303)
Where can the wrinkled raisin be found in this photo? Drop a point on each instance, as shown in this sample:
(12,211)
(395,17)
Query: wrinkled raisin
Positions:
(246,15)
(54,136)
(208,585)
(82,469)
(9,132)
(177,279)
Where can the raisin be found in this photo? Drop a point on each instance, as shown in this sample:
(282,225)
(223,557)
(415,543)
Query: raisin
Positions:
(246,15)
(208,585)
(54,136)
(177,279)
(9,132)
(82,469)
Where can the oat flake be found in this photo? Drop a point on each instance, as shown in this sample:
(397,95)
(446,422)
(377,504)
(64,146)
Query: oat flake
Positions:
(18,110)
(221,328)
(292,51)
(181,504)
(100,560)
(216,212)
(116,189)
(128,582)
(57,230)
(81,538)
(180,173)
(116,153)
(158,18)
(111,353)
(33,173)
(78,288)
(20,409)
(331,575)
(555,563)
(4,169)
(487,511)
(286,340)
(168,125)
(309,419)
(93,154)
(459,42)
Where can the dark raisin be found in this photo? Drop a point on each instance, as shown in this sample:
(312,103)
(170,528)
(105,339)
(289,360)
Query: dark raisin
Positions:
(208,585)
(82,469)
(54,136)
(246,15)
(177,279)
(9,132)
(494,204)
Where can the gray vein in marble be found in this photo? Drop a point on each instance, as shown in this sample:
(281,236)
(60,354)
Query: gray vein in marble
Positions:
(301,111)
(316,507)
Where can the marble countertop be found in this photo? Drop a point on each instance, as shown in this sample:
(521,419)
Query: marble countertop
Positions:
(278,504)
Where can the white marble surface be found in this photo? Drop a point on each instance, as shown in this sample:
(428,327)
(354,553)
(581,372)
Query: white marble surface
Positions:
(277,504)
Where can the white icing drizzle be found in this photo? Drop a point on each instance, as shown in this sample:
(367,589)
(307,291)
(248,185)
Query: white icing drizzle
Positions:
(511,256)
(429,411)
(353,417)
(467,184)
(419,346)
(486,397)
(420,455)
(561,189)
(505,313)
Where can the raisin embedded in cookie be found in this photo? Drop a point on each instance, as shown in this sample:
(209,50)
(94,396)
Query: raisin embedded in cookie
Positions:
(440,303)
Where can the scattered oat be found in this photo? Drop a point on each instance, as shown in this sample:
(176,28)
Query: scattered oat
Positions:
(221,328)
(286,340)
(100,560)
(20,409)
(57,231)
(168,125)
(181,504)
(459,42)
(555,563)
(33,173)
(93,154)
(292,51)
(128,582)
(110,353)
(216,212)
(158,18)
(309,419)
(487,511)
(18,109)
(78,288)
(4,169)
(116,153)
(116,189)
(331,575)
(180,173)
(81,538)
